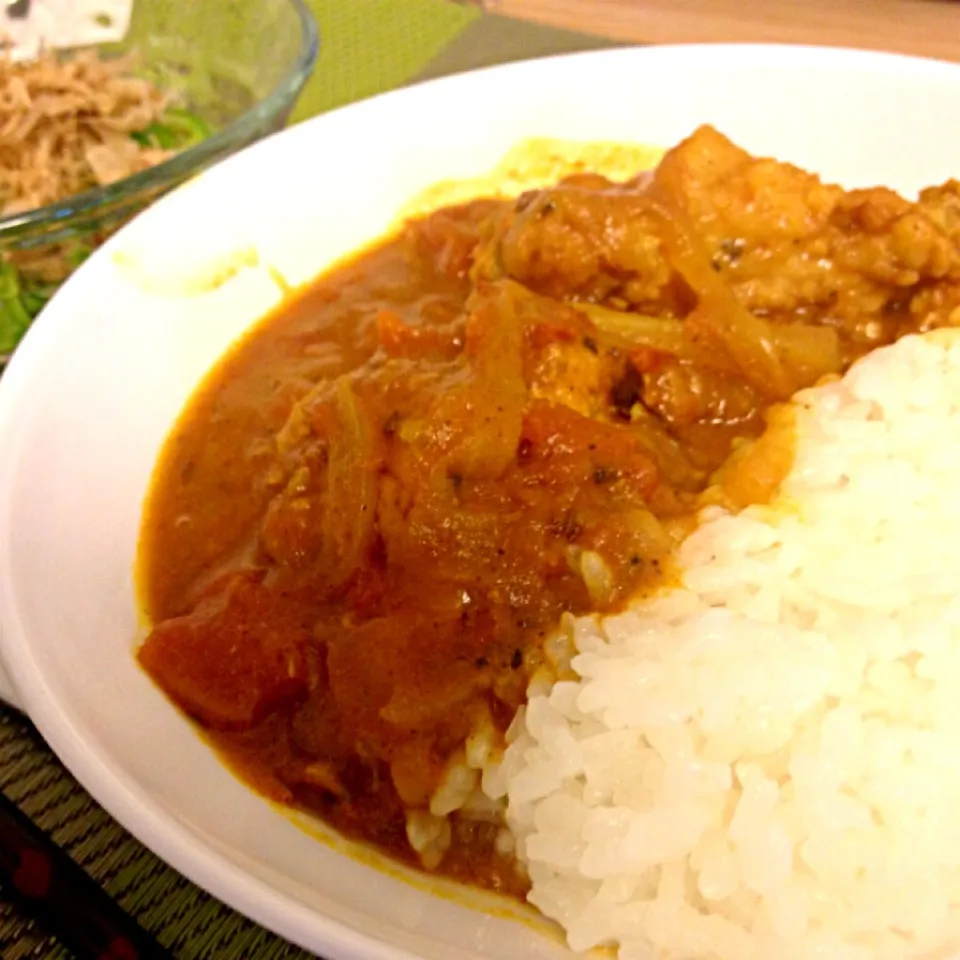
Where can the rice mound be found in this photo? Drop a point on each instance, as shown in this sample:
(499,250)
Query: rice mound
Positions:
(763,763)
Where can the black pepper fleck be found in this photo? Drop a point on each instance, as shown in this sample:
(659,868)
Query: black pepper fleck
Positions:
(391,424)
(626,392)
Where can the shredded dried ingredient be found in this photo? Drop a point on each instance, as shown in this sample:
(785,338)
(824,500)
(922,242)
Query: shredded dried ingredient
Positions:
(68,125)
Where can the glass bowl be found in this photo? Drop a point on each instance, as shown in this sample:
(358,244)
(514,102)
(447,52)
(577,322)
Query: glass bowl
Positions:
(237,65)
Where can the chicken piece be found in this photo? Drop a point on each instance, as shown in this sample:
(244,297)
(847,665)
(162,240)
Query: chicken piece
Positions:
(790,247)
(586,239)
(566,362)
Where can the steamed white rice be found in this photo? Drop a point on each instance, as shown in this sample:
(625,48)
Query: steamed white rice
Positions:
(764,763)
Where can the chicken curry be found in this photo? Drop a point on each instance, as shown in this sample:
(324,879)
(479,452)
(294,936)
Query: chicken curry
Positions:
(376,509)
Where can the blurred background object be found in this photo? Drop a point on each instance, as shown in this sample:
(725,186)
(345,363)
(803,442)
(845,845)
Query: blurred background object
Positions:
(929,28)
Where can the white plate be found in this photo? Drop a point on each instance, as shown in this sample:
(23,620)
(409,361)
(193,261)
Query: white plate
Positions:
(88,398)
(7,694)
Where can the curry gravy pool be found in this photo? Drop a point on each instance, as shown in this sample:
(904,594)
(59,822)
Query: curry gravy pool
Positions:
(367,525)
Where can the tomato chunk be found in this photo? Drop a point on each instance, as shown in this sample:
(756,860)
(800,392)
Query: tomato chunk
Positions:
(239,655)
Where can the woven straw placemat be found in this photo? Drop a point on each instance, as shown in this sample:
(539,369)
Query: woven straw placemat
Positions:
(368,46)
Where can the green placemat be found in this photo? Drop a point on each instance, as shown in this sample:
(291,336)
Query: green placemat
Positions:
(491,39)
(368,46)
